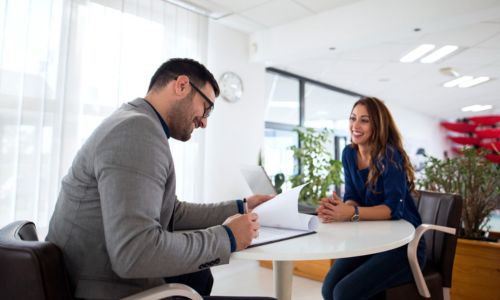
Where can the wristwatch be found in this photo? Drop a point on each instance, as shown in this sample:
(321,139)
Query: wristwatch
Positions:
(355,217)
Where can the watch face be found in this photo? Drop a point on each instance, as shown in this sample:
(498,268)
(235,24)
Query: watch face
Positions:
(231,87)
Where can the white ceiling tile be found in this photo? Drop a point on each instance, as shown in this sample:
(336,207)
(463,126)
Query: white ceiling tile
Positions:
(237,5)
(493,42)
(494,20)
(471,57)
(353,66)
(463,36)
(492,71)
(311,68)
(240,23)
(319,6)
(381,52)
(400,73)
(276,12)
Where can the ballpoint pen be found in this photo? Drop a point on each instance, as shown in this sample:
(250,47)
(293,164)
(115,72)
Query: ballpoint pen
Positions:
(245,206)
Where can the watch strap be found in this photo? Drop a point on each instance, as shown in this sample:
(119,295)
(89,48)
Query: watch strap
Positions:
(355,216)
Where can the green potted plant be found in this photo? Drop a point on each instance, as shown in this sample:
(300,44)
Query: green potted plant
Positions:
(474,178)
(316,165)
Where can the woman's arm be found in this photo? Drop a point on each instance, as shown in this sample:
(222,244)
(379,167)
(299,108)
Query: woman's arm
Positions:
(379,212)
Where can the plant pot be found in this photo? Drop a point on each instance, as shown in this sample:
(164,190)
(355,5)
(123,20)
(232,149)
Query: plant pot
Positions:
(476,270)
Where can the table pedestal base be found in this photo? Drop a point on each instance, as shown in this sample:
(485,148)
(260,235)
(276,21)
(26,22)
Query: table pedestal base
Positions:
(283,276)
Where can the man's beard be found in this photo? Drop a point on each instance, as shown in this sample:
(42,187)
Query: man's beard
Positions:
(181,119)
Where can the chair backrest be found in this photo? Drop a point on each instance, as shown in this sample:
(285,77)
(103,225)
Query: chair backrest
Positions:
(30,269)
(445,210)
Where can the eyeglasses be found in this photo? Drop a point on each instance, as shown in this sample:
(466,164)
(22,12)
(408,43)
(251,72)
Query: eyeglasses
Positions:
(206,110)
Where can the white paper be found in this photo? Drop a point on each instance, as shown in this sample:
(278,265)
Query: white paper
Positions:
(279,217)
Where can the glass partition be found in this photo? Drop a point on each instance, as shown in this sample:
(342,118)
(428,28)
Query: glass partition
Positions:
(295,101)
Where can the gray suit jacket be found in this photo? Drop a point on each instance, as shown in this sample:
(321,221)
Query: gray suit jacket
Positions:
(116,203)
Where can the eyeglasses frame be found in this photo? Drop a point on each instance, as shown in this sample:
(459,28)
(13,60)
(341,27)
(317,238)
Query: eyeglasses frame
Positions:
(206,111)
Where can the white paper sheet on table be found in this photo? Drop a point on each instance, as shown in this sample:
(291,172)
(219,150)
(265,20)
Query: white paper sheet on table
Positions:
(280,219)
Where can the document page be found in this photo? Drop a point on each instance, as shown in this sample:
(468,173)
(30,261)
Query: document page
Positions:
(280,219)
(270,235)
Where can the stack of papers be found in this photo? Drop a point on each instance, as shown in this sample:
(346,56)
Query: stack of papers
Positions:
(280,219)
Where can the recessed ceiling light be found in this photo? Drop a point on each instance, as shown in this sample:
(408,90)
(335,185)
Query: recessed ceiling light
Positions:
(438,54)
(473,82)
(417,53)
(457,81)
(477,107)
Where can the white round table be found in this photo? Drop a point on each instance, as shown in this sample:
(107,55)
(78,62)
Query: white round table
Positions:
(334,240)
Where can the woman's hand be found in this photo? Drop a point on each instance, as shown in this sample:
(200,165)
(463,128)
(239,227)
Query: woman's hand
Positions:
(334,210)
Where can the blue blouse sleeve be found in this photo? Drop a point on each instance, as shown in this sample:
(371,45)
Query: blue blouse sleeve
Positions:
(350,190)
(395,184)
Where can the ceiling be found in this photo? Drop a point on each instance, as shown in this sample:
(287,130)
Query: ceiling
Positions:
(357,44)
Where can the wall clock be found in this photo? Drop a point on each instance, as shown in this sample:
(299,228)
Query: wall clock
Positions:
(231,87)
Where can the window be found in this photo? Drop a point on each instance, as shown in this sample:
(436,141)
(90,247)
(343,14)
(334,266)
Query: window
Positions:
(283,99)
(295,101)
(278,158)
(64,67)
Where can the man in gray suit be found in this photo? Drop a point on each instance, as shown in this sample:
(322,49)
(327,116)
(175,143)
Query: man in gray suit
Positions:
(117,210)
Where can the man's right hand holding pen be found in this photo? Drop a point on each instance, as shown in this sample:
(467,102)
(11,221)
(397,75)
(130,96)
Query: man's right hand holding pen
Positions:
(245,227)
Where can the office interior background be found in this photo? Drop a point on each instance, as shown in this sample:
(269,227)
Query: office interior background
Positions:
(65,65)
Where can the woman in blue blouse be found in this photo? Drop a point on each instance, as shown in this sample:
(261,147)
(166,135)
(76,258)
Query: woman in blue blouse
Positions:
(379,180)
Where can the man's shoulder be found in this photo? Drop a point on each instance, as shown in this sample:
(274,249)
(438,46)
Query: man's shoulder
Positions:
(133,119)
(128,129)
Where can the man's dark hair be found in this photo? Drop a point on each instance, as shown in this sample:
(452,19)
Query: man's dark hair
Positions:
(174,67)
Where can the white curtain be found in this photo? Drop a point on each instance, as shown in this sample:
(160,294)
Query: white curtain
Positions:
(64,67)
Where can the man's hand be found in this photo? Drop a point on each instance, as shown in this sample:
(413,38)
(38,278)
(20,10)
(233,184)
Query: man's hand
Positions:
(256,200)
(244,227)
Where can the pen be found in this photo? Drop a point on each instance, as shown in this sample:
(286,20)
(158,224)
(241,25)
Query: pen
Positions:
(245,205)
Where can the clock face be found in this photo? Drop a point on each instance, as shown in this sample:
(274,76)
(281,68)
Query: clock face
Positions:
(231,87)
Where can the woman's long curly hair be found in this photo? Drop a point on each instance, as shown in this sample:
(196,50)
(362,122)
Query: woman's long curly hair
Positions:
(384,133)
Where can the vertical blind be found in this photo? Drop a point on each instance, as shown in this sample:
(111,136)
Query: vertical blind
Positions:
(65,65)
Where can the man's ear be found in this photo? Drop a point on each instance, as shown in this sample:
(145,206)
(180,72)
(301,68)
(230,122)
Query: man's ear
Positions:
(181,85)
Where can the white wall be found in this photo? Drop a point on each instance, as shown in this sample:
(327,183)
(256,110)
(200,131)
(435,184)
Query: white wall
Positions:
(419,131)
(235,131)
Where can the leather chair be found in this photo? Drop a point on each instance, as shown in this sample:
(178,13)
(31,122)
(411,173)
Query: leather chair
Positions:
(440,214)
(34,270)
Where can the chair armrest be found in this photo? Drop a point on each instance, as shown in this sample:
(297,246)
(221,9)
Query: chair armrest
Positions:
(166,290)
(412,255)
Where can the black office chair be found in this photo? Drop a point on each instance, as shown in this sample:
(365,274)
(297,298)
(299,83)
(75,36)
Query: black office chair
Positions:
(34,270)
(440,214)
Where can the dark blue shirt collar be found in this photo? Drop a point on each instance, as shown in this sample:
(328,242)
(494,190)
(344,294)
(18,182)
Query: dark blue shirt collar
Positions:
(163,124)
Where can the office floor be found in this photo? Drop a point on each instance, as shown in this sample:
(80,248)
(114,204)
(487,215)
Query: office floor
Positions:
(247,278)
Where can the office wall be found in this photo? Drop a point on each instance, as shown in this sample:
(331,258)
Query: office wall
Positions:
(235,130)
(419,131)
